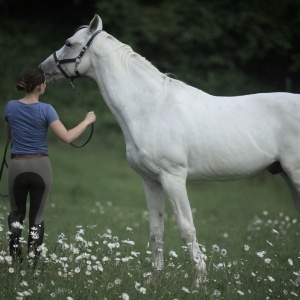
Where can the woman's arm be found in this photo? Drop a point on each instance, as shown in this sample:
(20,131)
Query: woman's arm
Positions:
(68,136)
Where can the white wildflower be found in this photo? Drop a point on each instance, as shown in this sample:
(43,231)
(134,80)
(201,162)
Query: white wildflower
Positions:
(271,278)
(128,242)
(267,260)
(124,296)
(110,285)
(224,252)
(80,231)
(75,250)
(126,259)
(34,235)
(294,294)
(173,254)
(24,283)
(137,285)
(8,259)
(17,225)
(246,247)
(261,254)
(135,254)
(113,245)
(216,248)
(79,238)
(219,266)
(185,289)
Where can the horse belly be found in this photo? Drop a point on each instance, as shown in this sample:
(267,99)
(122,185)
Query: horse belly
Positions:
(230,152)
(221,166)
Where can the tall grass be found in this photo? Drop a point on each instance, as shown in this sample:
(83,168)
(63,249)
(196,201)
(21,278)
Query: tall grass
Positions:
(97,242)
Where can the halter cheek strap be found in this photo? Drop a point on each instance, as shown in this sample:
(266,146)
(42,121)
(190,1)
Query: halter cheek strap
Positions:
(75,60)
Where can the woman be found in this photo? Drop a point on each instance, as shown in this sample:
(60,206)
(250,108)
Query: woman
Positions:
(27,121)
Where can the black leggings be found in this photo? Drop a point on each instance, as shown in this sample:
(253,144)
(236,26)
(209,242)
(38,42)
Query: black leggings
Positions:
(31,176)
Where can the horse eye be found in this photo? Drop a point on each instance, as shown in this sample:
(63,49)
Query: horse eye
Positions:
(68,44)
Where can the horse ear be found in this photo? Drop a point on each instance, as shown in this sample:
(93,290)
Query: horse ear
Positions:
(96,24)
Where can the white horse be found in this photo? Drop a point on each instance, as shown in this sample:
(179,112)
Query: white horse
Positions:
(174,132)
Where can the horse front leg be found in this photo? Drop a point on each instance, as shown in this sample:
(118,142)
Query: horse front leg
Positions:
(156,209)
(175,187)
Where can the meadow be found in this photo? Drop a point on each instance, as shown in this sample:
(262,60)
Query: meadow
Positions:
(97,237)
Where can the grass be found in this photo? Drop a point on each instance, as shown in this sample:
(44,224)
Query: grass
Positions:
(97,236)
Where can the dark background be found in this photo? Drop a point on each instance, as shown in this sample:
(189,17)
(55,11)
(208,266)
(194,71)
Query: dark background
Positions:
(224,47)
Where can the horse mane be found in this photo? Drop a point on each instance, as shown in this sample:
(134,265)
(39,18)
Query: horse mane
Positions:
(126,53)
(81,27)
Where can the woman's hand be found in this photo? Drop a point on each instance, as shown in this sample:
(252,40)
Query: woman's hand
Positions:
(90,117)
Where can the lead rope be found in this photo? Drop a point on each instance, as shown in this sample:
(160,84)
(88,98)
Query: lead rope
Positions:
(92,125)
(4,163)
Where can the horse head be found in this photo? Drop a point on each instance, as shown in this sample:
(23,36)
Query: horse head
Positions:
(73,60)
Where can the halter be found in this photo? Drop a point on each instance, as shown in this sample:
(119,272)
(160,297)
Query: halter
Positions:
(75,60)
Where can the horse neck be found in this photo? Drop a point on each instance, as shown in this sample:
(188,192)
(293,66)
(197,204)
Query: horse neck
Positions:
(129,84)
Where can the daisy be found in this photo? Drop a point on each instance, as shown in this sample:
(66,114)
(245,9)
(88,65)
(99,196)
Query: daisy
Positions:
(216,248)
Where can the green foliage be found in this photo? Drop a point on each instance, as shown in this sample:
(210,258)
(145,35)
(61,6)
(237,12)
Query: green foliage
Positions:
(206,42)
(223,47)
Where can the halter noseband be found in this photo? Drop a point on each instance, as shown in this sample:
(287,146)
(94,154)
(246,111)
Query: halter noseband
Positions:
(75,60)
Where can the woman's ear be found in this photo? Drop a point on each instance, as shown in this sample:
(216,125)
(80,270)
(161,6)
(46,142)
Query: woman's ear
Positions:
(39,88)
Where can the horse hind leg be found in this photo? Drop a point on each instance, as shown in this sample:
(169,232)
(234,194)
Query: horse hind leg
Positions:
(293,182)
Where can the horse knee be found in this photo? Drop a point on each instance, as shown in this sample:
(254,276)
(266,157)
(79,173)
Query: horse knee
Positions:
(156,238)
(188,234)
(156,232)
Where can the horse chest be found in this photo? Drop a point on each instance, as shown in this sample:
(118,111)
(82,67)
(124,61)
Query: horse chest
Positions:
(140,160)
